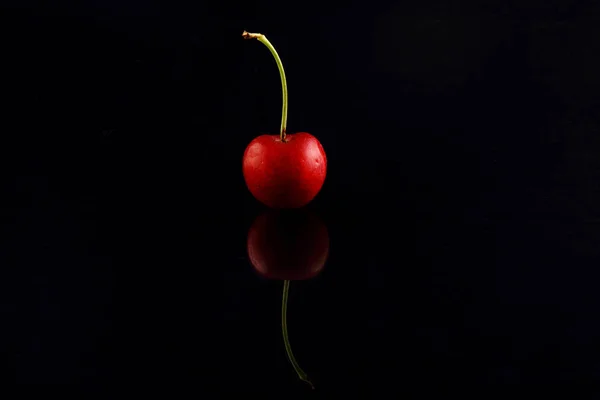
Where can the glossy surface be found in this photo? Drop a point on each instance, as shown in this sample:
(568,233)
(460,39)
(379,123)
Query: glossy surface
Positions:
(285,174)
(463,214)
(288,245)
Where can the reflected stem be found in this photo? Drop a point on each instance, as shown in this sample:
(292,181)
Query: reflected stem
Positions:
(301,374)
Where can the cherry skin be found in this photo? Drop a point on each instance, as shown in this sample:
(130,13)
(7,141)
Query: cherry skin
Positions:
(285,174)
(288,245)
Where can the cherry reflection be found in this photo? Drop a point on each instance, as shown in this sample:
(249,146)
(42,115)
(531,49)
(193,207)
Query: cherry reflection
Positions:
(288,245)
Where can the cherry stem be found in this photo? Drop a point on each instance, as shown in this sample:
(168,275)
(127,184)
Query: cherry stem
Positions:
(284,109)
(301,374)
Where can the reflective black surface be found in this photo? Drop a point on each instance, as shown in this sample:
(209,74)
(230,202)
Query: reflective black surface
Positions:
(460,206)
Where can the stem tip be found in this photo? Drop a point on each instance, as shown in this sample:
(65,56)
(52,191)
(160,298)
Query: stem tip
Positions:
(309,382)
(248,35)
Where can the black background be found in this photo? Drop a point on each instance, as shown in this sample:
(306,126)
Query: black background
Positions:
(461,196)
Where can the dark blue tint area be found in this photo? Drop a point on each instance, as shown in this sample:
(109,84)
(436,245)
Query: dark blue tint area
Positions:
(453,247)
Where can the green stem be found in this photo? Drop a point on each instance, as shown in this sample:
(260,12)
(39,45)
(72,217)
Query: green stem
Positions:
(301,374)
(284,108)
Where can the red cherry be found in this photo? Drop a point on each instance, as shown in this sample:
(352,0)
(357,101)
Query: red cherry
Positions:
(283,171)
(285,174)
(288,245)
